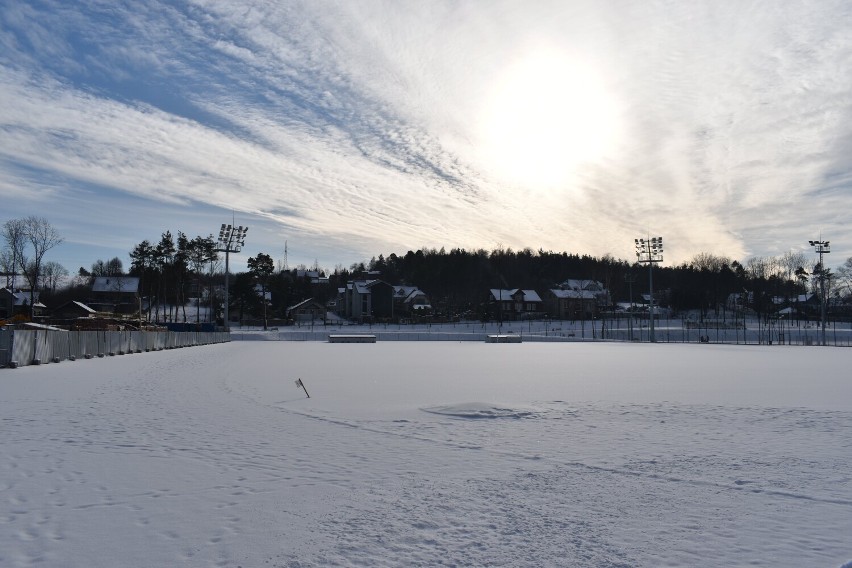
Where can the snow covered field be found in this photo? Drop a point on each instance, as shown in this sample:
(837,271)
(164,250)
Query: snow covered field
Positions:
(428,454)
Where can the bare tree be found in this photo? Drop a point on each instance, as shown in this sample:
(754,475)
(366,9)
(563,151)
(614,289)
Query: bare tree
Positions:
(710,262)
(52,274)
(7,266)
(759,267)
(15,237)
(790,261)
(113,267)
(844,276)
(36,236)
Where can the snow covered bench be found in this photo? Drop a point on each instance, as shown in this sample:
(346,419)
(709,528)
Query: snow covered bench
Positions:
(503,339)
(341,338)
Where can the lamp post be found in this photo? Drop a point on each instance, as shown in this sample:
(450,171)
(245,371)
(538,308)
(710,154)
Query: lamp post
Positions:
(821,247)
(649,251)
(231,239)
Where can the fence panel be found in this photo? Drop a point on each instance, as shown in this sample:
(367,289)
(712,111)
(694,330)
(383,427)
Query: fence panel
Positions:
(27,347)
(5,346)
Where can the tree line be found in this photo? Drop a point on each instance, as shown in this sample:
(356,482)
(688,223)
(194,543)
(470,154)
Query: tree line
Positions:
(458,281)
(175,268)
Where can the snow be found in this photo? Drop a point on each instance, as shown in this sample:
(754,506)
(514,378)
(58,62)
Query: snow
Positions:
(430,454)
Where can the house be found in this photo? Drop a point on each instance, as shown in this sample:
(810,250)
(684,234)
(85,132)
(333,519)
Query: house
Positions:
(17,301)
(307,311)
(115,294)
(315,276)
(515,304)
(807,305)
(408,300)
(571,304)
(367,300)
(8,301)
(590,288)
(739,300)
(72,310)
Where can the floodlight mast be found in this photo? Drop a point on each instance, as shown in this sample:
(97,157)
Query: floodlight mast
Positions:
(821,247)
(649,251)
(231,239)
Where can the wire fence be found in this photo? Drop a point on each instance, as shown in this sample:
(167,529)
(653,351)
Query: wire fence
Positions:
(667,330)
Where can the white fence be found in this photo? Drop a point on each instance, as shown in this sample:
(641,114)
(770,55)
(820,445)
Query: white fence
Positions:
(28,347)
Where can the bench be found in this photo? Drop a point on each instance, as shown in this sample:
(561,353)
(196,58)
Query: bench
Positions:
(349,338)
(503,339)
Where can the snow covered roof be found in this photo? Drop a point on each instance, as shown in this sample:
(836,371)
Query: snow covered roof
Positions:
(40,326)
(508,295)
(21,297)
(304,303)
(363,286)
(404,290)
(83,307)
(579,284)
(573,294)
(116,284)
(313,275)
(408,293)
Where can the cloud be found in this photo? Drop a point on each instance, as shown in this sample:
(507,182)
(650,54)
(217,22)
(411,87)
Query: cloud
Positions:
(368,127)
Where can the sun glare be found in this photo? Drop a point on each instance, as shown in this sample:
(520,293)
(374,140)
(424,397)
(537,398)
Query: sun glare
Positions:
(545,116)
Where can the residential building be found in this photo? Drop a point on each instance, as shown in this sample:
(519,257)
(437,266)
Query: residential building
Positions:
(592,288)
(315,276)
(17,301)
(308,310)
(71,311)
(368,300)
(515,304)
(115,294)
(571,304)
(410,300)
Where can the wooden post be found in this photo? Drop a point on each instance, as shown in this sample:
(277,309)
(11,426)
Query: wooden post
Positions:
(300,384)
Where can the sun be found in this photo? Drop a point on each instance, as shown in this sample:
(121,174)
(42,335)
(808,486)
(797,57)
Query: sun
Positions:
(545,115)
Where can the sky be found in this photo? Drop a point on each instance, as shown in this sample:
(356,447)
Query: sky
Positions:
(352,129)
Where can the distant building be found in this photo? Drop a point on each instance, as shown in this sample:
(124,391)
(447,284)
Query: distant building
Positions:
(307,311)
(515,304)
(115,294)
(367,300)
(410,300)
(71,311)
(17,301)
(571,304)
(592,288)
(313,275)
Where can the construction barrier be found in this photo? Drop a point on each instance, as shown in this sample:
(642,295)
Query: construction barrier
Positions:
(34,347)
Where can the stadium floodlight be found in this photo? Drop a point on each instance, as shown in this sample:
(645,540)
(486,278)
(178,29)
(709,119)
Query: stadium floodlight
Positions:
(649,251)
(822,247)
(231,239)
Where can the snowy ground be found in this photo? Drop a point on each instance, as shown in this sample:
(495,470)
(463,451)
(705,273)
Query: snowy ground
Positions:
(427,454)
